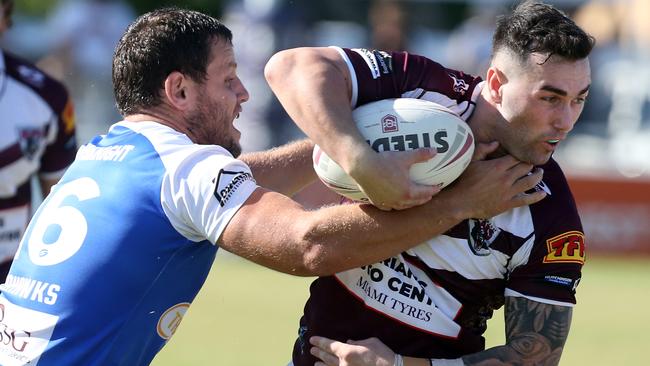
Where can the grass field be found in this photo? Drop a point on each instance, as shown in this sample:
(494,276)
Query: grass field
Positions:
(247,315)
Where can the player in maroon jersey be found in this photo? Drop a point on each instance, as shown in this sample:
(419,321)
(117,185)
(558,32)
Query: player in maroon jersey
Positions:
(433,301)
(38,139)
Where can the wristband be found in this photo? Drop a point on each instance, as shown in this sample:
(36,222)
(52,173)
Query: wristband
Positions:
(445,362)
(399,361)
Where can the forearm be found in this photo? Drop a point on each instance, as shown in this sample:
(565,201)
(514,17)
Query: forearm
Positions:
(276,232)
(313,85)
(285,169)
(535,335)
(332,230)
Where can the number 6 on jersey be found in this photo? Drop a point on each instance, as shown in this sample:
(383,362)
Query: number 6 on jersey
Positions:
(72,225)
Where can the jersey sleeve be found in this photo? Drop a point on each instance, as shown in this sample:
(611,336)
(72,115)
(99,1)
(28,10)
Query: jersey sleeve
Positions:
(205,192)
(554,266)
(377,75)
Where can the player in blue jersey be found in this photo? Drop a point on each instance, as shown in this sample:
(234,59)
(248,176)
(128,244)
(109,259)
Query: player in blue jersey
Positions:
(433,301)
(116,253)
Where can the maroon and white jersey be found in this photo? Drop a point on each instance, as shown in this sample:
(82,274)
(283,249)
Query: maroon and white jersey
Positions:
(37,123)
(434,300)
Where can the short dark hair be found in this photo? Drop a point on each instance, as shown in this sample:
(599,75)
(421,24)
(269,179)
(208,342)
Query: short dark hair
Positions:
(535,27)
(156,44)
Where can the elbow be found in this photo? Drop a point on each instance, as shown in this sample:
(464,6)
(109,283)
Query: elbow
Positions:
(279,67)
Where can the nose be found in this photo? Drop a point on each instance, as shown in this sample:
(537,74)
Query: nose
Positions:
(242,93)
(566,119)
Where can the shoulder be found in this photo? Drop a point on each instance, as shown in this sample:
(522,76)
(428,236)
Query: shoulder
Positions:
(24,72)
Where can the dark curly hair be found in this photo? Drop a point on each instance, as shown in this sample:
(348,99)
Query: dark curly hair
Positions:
(535,27)
(156,44)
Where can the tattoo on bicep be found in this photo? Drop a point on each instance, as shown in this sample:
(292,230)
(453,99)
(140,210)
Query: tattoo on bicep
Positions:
(535,334)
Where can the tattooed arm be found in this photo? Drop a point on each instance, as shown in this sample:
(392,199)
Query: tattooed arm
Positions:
(535,335)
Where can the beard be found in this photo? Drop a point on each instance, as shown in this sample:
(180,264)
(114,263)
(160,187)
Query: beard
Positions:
(209,124)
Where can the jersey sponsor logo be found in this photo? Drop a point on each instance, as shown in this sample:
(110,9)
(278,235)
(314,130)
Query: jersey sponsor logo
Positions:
(411,142)
(566,248)
(385,61)
(29,139)
(24,334)
(562,281)
(389,124)
(482,233)
(460,86)
(370,59)
(404,293)
(227,182)
(171,319)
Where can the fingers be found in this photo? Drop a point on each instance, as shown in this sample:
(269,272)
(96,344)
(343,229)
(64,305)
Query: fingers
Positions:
(418,155)
(525,199)
(529,180)
(326,357)
(325,350)
(481,150)
(324,343)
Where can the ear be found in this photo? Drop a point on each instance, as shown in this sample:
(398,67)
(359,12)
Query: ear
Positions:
(177,90)
(495,79)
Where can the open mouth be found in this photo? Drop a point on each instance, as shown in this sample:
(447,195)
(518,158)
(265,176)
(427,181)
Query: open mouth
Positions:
(553,142)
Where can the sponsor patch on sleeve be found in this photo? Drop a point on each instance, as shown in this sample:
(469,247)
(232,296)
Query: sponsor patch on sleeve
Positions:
(371,60)
(227,183)
(566,248)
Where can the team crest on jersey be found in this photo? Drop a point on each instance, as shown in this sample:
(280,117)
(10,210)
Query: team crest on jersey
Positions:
(171,319)
(29,139)
(227,183)
(389,124)
(482,233)
(566,248)
(460,86)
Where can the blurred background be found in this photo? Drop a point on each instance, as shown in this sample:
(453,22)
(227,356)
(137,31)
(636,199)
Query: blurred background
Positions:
(607,157)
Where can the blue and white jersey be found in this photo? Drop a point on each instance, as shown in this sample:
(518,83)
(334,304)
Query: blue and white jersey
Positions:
(117,252)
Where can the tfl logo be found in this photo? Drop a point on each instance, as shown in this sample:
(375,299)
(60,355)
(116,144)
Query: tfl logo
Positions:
(566,248)
(389,124)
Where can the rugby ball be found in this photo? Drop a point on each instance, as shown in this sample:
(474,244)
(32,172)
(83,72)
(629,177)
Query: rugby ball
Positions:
(405,124)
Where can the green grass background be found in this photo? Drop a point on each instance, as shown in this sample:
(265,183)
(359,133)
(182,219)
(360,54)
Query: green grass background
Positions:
(247,315)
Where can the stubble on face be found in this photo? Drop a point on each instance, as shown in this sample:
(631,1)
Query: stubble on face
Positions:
(519,133)
(210,124)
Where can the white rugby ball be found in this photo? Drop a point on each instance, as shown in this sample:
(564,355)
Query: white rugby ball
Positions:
(405,124)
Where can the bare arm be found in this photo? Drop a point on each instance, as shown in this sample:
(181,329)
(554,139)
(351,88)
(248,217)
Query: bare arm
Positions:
(285,169)
(313,85)
(274,231)
(535,335)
